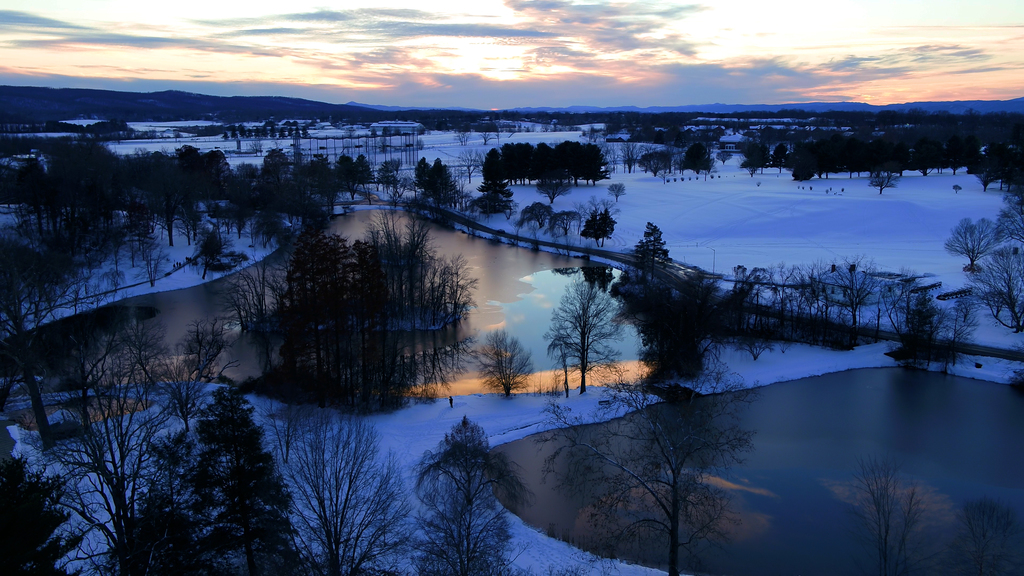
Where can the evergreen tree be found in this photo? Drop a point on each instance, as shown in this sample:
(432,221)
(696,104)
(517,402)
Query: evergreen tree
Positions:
(171,521)
(362,172)
(496,196)
(237,483)
(754,158)
(926,156)
(443,187)
(955,153)
(650,252)
(494,181)
(421,177)
(599,226)
(31,520)
(779,157)
(592,164)
(698,158)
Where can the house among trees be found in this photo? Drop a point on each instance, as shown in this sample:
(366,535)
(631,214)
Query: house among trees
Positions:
(730,142)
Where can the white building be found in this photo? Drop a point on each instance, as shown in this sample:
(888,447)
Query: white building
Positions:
(398,126)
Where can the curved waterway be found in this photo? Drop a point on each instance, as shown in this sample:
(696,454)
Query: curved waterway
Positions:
(958,439)
(517,290)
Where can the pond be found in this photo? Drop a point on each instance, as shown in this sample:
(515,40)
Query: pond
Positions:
(959,439)
(517,290)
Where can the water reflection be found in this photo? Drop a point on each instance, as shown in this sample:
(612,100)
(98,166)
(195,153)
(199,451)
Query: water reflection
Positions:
(958,439)
(517,288)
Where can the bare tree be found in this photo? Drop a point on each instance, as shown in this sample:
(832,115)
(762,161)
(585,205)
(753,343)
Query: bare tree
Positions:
(557,350)
(472,161)
(109,462)
(1011,215)
(754,346)
(255,146)
(505,363)
(857,283)
(349,499)
(724,156)
(656,467)
(974,240)
(987,540)
(464,529)
(251,295)
(617,190)
(553,188)
(196,363)
(999,285)
(885,176)
(888,510)
(462,136)
(961,322)
(561,222)
(583,326)
(36,288)
(536,214)
(630,153)
(153,257)
(896,299)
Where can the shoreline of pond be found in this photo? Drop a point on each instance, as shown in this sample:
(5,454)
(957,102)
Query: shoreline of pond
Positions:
(898,400)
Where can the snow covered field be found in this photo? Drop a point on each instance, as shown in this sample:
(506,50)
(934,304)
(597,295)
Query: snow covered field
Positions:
(735,219)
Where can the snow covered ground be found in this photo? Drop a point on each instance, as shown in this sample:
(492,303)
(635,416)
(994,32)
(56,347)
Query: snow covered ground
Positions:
(735,219)
(732,219)
(174,274)
(409,432)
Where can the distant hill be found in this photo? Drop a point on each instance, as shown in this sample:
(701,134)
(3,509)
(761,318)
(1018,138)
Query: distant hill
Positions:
(383,108)
(953,107)
(35,104)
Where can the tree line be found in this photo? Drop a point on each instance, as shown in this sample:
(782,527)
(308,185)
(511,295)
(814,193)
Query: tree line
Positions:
(996,161)
(348,315)
(834,304)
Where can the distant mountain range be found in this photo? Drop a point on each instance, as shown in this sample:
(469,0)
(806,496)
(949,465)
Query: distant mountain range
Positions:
(953,107)
(29,103)
(37,104)
(383,108)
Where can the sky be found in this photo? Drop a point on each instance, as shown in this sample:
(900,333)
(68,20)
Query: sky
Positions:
(511,53)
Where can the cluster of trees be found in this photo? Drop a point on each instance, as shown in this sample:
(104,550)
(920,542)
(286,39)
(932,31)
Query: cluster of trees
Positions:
(998,161)
(80,199)
(523,163)
(995,267)
(662,160)
(554,170)
(313,494)
(832,304)
(594,219)
(267,130)
(346,311)
(649,475)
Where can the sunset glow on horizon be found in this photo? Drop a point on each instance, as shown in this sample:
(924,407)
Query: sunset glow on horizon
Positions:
(507,53)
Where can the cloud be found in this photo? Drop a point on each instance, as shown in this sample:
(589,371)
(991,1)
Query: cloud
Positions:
(909,59)
(611,26)
(549,52)
(15,20)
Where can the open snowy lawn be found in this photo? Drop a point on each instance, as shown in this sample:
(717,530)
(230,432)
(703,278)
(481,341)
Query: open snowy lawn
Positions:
(731,220)
(734,219)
